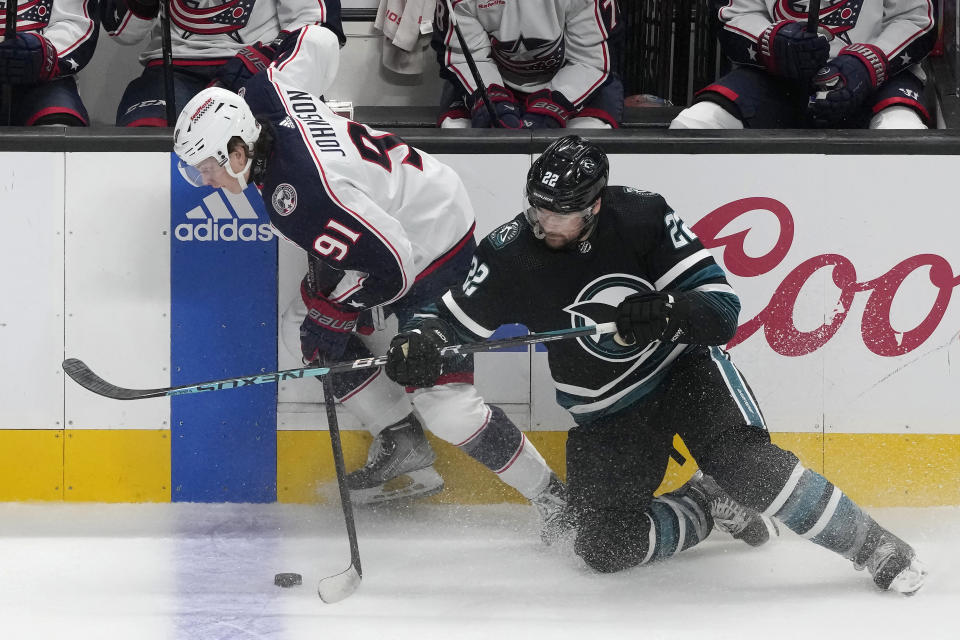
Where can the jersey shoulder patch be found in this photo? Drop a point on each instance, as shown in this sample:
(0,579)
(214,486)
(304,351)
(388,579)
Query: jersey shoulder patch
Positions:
(505,234)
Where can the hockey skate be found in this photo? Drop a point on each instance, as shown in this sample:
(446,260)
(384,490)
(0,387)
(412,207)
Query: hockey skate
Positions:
(731,517)
(556,519)
(399,466)
(891,561)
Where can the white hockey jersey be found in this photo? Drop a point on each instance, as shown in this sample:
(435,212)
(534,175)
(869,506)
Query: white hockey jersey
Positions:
(70,25)
(562,45)
(902,29)
(217,29)
(363,201)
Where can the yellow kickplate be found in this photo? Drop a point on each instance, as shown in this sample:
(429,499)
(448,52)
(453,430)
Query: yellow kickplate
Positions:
(31,464)
(874,469)
(117,465)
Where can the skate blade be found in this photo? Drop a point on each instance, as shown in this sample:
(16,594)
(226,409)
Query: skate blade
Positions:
(415,484)
(909,581)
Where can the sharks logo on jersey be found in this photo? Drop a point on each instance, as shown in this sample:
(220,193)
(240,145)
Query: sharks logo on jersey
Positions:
(597,303)
(837,17)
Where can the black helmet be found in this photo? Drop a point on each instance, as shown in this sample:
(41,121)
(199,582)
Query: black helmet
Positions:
(569,176)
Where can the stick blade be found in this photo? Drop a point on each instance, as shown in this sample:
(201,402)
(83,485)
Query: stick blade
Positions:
(80,373)
(336,588)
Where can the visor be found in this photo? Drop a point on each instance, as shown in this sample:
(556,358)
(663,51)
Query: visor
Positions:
(195,174)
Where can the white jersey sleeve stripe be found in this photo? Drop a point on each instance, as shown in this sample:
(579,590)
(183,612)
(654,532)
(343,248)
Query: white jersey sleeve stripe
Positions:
(465,320)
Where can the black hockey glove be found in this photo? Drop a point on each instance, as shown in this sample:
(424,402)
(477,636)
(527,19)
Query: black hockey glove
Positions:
(788,51)
(644,317)
(843,85)
(505,106)
(414,359)
(27,59)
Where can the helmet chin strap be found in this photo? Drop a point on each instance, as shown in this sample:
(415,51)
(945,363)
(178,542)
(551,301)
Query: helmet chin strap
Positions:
(242,176)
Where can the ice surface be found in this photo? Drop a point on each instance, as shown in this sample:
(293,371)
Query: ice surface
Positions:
(190,571)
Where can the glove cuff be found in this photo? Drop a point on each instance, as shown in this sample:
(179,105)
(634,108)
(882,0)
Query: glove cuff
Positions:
(872,58)
(765,44)
(49,66)
(551,104)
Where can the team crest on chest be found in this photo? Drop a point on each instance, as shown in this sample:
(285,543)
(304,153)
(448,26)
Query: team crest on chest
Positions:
(597,303)
(504,235)
(284,199)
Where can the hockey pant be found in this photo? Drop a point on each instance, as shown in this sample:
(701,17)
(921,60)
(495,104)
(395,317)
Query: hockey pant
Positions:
(614,464)
(453,411)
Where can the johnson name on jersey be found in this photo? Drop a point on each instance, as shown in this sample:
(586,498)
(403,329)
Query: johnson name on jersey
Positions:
(561,45)
(639,244)
(902,29)
(362,201)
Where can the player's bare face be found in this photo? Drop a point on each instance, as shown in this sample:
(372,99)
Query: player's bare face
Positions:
(560,229)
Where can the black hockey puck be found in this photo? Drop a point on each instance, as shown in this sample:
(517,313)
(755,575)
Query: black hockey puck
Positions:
(287,579)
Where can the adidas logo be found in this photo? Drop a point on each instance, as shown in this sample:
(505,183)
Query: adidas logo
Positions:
(288,122)
(213,221)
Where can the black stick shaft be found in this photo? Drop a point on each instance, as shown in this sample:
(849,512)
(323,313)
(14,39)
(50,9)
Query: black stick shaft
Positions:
(341,469)
(167,45)
(9,32)
(813,16)
(86,378)
(474,71)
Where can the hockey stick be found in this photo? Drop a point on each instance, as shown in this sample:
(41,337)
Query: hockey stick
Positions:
(167,48)
(12,8)
(82,375)
(813,16)
(482,88)
(337,587)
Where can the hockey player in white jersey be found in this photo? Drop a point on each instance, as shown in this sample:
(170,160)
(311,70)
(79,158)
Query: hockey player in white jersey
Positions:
(387,227)
(211,40)
(54,41)
(860,69)
(545,63)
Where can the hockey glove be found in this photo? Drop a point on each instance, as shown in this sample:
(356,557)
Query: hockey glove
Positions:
(505,106)
(414,359)
(844,84)
(787,50)
(327,327)
(27,59)
(644,317)
(249,61)
(546,109)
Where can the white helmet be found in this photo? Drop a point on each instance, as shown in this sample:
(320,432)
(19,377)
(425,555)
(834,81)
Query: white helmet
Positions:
(205,127)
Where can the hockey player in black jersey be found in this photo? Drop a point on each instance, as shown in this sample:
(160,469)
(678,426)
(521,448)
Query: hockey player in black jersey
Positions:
(583,252)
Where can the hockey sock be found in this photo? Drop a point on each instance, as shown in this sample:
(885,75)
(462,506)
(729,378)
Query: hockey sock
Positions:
(501,447)
(678,520)
(812,507)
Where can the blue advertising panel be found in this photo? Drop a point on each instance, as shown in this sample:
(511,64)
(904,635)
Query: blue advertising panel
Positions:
(223,323)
